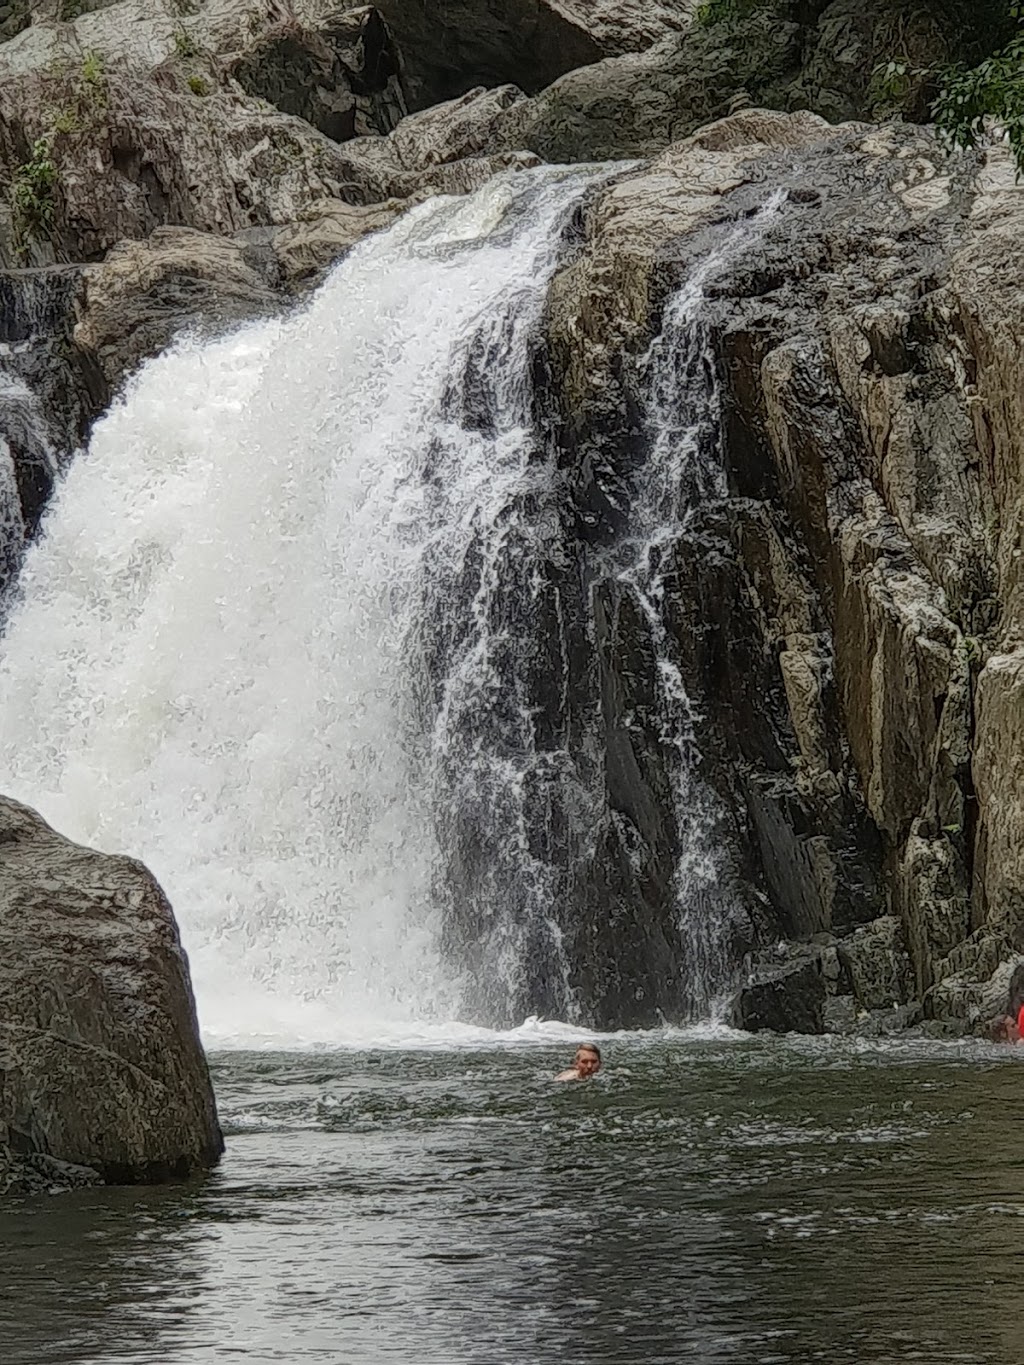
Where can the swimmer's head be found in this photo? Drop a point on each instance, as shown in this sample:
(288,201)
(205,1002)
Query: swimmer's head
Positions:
(588,1060)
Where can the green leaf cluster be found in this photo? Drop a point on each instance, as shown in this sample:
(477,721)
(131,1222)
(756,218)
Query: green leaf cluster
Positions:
(984,86)
(992,89)
(92,71)
(33,196)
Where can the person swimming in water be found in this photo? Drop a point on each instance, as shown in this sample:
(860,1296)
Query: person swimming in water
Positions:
(587,1063)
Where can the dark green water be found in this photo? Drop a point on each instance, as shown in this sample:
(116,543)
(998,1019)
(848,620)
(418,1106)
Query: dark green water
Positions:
(706,1200)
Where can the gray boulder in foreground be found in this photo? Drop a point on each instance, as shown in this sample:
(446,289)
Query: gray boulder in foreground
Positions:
(101,1066)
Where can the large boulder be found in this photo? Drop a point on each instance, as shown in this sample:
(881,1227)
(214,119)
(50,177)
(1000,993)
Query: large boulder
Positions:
(787,998)
(638,104)
(447,149)
(342,75)
(449,49)
(145,293)
(877,965)
(100,1061)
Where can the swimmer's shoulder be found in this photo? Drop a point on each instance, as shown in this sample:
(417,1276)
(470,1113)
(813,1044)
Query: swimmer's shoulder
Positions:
(569,1075)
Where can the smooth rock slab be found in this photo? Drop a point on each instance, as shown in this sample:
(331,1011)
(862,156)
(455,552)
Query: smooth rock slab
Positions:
(100,1060)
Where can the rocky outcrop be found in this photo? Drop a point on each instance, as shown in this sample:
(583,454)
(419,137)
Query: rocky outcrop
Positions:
(447,50)
(787,998)
(837,605)
(820,57)
(876,964)
(145,293)
(639,104)
(136,117)
(100,1062)
(443,150)
(342,75)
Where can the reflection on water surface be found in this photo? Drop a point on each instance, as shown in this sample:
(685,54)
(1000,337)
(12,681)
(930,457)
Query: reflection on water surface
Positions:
(707,1200)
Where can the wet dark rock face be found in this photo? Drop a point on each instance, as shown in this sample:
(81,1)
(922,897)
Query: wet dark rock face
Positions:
(785,999)
(829,597)
(449,51)
(49,394)
(343,79)
(834,603)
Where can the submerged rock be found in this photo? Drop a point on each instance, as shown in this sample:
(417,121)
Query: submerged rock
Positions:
(37,1173)
(100,1061)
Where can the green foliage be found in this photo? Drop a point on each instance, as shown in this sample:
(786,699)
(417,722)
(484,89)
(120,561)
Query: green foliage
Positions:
(185,46)
(198,85)
(992,89)
(971,651)
(85,98)
(67,121)
(93,70)
(70,10)
(892,82)
(33,196)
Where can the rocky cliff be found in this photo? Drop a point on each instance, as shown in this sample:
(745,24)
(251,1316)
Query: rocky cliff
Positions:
(846,605)
(845,611)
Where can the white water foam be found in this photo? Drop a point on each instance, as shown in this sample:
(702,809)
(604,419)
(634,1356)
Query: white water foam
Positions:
(315,1029)
(207,666)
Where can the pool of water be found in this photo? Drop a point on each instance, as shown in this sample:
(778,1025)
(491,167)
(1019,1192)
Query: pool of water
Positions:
(707,1199)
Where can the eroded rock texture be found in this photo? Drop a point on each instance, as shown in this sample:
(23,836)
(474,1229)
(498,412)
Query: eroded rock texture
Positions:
(448,49)
(847,609)
(100,1062)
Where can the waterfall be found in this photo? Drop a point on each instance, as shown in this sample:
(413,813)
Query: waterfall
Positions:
(681,473)
(299,621)
(213,661)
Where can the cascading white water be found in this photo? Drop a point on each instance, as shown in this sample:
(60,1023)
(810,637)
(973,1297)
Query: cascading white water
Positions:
(681,473)
(212,662)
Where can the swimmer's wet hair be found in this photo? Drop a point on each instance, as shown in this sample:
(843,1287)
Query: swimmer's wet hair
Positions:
(590,1047)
